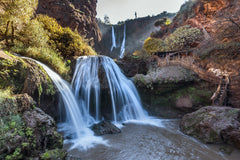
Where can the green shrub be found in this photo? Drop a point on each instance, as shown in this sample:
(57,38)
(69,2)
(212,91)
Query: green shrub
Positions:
(64,40)
(182,38)
(152,45)
(45,55)
(33,34)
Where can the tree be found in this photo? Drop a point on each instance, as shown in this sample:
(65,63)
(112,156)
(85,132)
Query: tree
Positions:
(106,19)
(14,15)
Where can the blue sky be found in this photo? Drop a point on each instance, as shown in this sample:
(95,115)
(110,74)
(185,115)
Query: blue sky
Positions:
(120,10)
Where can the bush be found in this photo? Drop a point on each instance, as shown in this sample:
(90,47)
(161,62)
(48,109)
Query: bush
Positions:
(64,40)
(183,38)
(152,45)
(44,54)
(33,34)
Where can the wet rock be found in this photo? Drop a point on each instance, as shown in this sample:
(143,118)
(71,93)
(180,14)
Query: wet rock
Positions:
(105,127)
(43,128)
(206,124)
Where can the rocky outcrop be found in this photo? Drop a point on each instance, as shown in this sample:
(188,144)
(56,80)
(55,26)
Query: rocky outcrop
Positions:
(26,131)
(172,91)
(74,14)
(25,76)
(213,124)
(105,127)
(43,128)
(219,22)
(212,16)
(132,66)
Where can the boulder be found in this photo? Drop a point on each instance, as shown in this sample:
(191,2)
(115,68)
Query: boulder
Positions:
(208,123)
(105,127)
(231,136)
(43,130)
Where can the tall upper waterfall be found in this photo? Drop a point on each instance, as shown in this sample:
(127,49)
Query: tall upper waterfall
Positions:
(117,44)
(105,91)
(123,42)
(113,39)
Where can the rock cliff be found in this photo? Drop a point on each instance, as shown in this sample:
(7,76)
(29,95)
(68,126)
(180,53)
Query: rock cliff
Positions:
(137,30)
(220,24)
(75,14)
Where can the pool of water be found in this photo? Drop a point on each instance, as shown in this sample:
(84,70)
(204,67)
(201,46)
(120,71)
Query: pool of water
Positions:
(146,142)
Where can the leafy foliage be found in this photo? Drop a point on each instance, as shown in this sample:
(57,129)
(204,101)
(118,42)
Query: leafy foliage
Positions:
(153,45)
(64,40)
(182,38)
(162,22)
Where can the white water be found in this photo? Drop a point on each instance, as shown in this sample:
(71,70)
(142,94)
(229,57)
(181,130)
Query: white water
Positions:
(75,124)
(123,43)
(113,40)
(125,101)
(126,104)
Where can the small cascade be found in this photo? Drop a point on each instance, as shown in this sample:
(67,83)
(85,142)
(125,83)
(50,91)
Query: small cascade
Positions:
(76,120)
(100,75)
(123,43)
(113,39)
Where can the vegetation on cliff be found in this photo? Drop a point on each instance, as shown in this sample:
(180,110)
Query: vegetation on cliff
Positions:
(39,37)
(27,94)
(183,38)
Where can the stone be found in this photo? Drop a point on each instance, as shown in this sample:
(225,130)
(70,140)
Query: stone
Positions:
(24,102)
(43,128)
(105,127)
(207,123)
(231,136)
(184,103)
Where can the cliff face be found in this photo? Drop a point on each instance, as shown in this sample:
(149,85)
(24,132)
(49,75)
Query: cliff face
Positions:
(74,14)
(218,18)
(137,30)
(220,23)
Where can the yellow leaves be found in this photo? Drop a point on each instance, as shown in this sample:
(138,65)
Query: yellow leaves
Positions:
(152,45)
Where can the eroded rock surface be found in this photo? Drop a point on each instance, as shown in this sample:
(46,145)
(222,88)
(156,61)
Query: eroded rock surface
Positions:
(75,14)
(212,124)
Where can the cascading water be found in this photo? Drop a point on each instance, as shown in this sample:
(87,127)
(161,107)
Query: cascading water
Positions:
(92,75)
(113,40)
(123,42)
(96,73)
(76,120)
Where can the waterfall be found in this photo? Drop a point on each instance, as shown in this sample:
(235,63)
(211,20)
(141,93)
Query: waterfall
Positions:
(113,39)
(76,120)
(95,77)
(96,73)
(123,42)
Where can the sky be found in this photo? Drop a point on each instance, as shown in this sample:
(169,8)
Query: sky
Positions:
(120,10)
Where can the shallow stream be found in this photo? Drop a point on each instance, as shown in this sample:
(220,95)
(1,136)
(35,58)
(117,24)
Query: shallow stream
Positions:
(145,142)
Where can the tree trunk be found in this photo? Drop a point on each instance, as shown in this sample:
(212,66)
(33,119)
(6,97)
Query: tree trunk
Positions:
(6,33)
(12,38)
